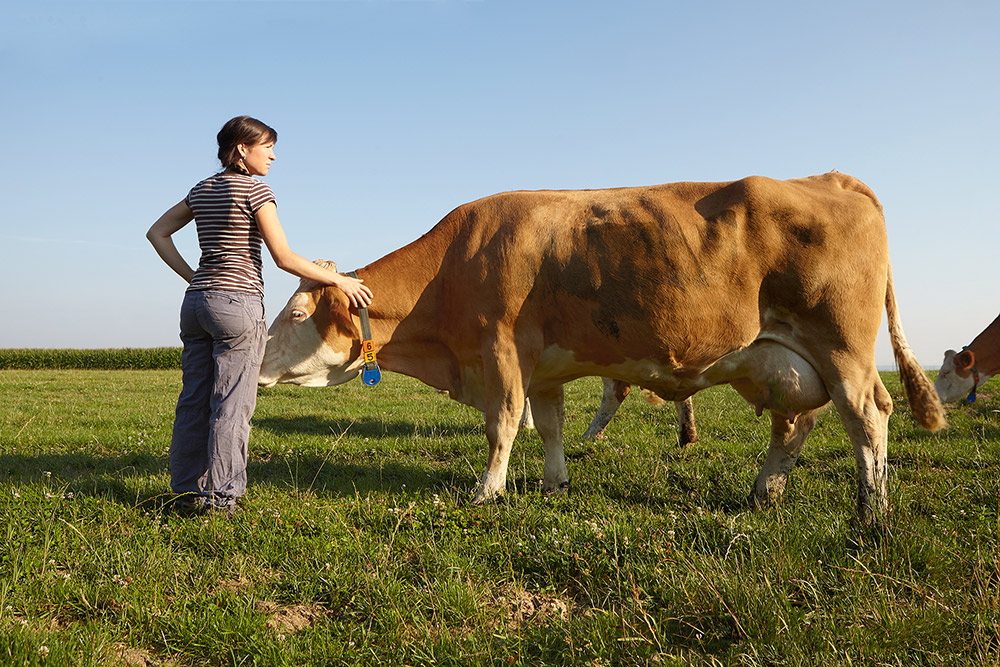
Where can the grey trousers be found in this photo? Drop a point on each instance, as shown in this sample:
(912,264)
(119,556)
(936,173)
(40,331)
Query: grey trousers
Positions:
(224,334)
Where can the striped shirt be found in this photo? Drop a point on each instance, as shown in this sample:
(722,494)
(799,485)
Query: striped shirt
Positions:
(224,206)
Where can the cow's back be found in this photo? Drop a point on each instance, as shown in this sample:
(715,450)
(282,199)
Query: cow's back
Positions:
(716,263)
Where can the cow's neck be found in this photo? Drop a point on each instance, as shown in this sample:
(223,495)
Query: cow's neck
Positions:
(402,314)
(986,348)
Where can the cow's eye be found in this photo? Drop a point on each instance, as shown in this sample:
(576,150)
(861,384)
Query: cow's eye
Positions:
(298,315)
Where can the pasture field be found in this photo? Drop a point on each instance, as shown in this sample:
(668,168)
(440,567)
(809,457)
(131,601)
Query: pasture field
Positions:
(359,546)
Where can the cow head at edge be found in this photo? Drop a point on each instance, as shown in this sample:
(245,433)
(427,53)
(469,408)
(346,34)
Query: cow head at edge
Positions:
(954,380)
(313,341)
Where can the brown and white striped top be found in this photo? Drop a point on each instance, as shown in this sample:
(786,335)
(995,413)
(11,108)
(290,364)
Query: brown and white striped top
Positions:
(224,206)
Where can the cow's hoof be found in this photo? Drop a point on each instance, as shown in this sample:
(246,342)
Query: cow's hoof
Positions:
(483,498)
(760,501)
(685,439)
(561,489)
(873,516)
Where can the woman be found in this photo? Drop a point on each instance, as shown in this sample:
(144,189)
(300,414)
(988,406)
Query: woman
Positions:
(222,317)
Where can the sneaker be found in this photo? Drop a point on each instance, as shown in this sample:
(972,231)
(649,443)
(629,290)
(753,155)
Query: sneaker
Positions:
(189,505)
(229,511)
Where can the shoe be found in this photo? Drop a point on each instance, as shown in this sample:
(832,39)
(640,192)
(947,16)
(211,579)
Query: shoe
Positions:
(189,505)
(229,511)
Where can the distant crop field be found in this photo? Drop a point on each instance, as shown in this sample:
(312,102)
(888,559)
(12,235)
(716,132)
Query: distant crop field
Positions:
(151,358)
(359,546)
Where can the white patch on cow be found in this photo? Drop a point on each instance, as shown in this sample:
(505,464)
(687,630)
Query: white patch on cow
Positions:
(296,347)
(555,361)
(952,387)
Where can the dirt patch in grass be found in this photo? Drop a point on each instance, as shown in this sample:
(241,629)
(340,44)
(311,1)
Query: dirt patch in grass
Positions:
(520,607)
(138,657)
(289,619)
(233,585)
(241,581)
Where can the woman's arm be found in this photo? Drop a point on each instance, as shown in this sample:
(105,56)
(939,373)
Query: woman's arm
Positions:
(297,265)
(161,231)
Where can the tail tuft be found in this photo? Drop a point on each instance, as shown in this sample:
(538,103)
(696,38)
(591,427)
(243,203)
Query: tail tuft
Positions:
(652,398)
(924,401)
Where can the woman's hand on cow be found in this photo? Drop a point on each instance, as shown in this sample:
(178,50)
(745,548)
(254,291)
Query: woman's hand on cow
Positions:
(356,290)
(288,260)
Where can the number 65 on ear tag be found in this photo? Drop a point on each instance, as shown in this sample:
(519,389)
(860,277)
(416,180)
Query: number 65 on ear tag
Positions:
(371,375)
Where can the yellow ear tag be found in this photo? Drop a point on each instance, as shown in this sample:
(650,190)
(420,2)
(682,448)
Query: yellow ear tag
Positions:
(368,350)
(371,373)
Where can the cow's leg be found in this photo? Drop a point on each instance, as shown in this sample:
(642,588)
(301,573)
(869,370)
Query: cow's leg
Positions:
(686,433)
(865,414)
(615,392)
(787,440)
(550,414)
(501,429)
(504,407)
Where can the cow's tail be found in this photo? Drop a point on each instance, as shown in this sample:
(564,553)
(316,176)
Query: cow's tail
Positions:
(924,402)
(652,398)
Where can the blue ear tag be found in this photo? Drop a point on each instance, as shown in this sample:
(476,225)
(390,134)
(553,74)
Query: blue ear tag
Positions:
(371,375)
(971,398)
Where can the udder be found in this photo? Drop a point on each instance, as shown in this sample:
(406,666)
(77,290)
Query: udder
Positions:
(773,377)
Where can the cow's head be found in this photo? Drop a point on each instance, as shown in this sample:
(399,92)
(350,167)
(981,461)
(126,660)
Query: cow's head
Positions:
(955,379)
(313,342)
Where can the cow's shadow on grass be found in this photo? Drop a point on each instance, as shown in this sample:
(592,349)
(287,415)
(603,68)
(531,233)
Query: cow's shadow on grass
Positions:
(341,479)
(367,428)
(677,493)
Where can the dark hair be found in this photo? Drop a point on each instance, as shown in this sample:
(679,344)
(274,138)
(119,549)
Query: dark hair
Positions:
(241,130)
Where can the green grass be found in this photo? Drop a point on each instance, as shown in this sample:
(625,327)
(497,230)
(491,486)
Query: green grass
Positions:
(359,545)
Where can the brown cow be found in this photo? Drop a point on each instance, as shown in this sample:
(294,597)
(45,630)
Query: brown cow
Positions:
(776,287)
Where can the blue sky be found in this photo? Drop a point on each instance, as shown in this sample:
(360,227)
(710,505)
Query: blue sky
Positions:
(390,114)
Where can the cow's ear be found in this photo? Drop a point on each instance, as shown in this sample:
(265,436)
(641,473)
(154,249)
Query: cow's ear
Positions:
(964,360)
